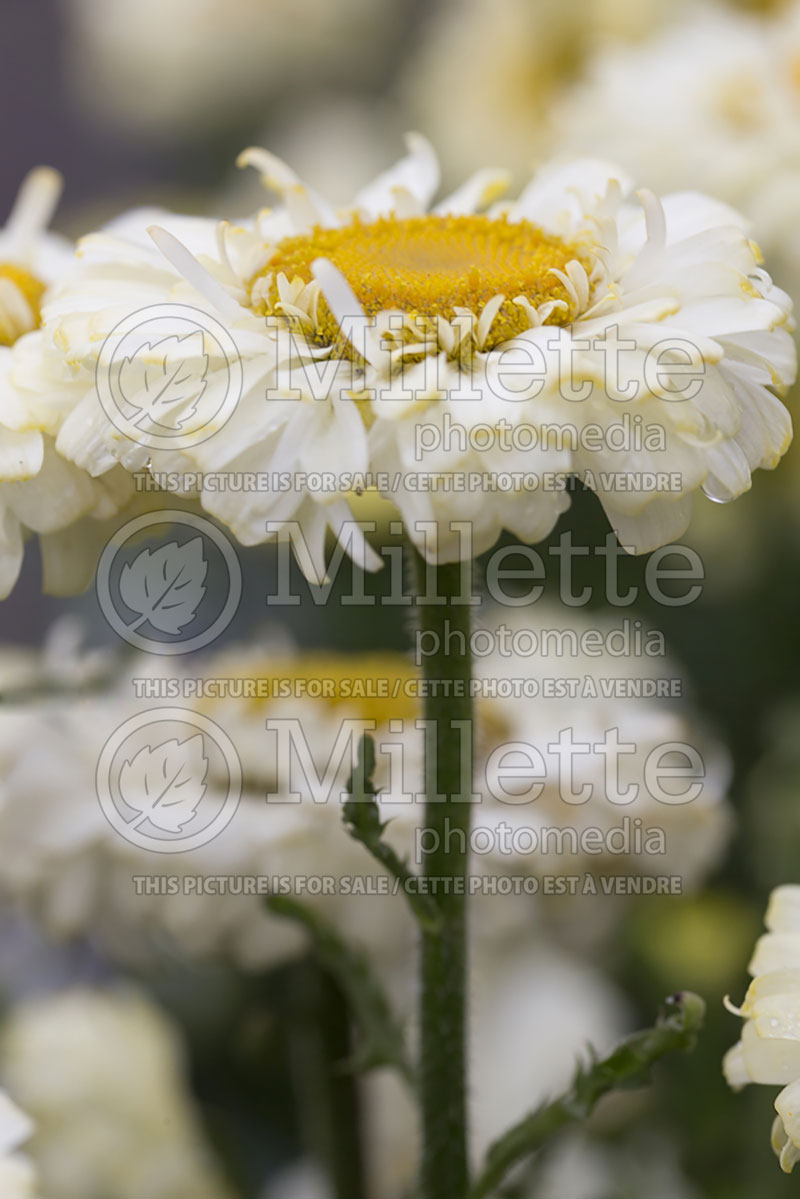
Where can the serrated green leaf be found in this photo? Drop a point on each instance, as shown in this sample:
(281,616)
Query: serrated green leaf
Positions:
(362,819)
(627,1066)
(382,1042)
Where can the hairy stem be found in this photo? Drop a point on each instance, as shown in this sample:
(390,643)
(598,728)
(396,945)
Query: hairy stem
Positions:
(445,625)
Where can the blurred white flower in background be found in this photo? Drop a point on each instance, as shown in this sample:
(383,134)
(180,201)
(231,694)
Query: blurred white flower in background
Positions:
(103,1076)
(619,687)
(769,1049)
(486,73)
(17,1173)
(189,68)
(63,662)
(583,1169)
(60,855)
(61,858)
(711,102)
(533,1015)
(301,1181)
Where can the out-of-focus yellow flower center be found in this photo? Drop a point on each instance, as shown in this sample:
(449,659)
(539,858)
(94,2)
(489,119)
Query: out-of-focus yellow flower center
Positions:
(794,71)
(379,687)
(31,290)
(430,266)
(382,687)
(742,102)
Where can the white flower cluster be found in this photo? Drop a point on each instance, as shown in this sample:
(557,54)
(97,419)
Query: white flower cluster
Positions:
(769,1049)
(103,1077)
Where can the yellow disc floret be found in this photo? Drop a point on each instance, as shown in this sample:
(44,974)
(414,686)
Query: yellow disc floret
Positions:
(429,267)
(20,303)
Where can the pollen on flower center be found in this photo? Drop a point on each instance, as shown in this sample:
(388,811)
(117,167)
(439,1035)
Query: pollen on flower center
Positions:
(20,302)
(430,267)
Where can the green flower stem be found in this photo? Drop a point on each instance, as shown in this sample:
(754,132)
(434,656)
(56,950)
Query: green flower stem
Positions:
(327,1092)
(448,709)
(344,1148)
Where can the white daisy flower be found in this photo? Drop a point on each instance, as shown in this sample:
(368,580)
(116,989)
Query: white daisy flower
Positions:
(285,713)
(769,1050)
(678,277)
(386,347)
(40,491)
(103,1074)
(17,1174)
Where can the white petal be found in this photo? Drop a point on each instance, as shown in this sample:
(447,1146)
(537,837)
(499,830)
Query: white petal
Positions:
(560,195)
(480,190)
(348,313)
(279,177)
(34,207)
(417,173)
(768,1060)
(21,455)
(776,951)
(783,912)
(11,550)
(195,273)
(787,1105)
(659,523)
(60,494)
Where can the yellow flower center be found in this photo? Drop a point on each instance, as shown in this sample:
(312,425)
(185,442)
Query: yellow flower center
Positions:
(13,319)
(429,267)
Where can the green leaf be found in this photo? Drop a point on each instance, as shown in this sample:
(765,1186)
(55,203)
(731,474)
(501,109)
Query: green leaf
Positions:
(627,1066)
(381,1037)
(362,819)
